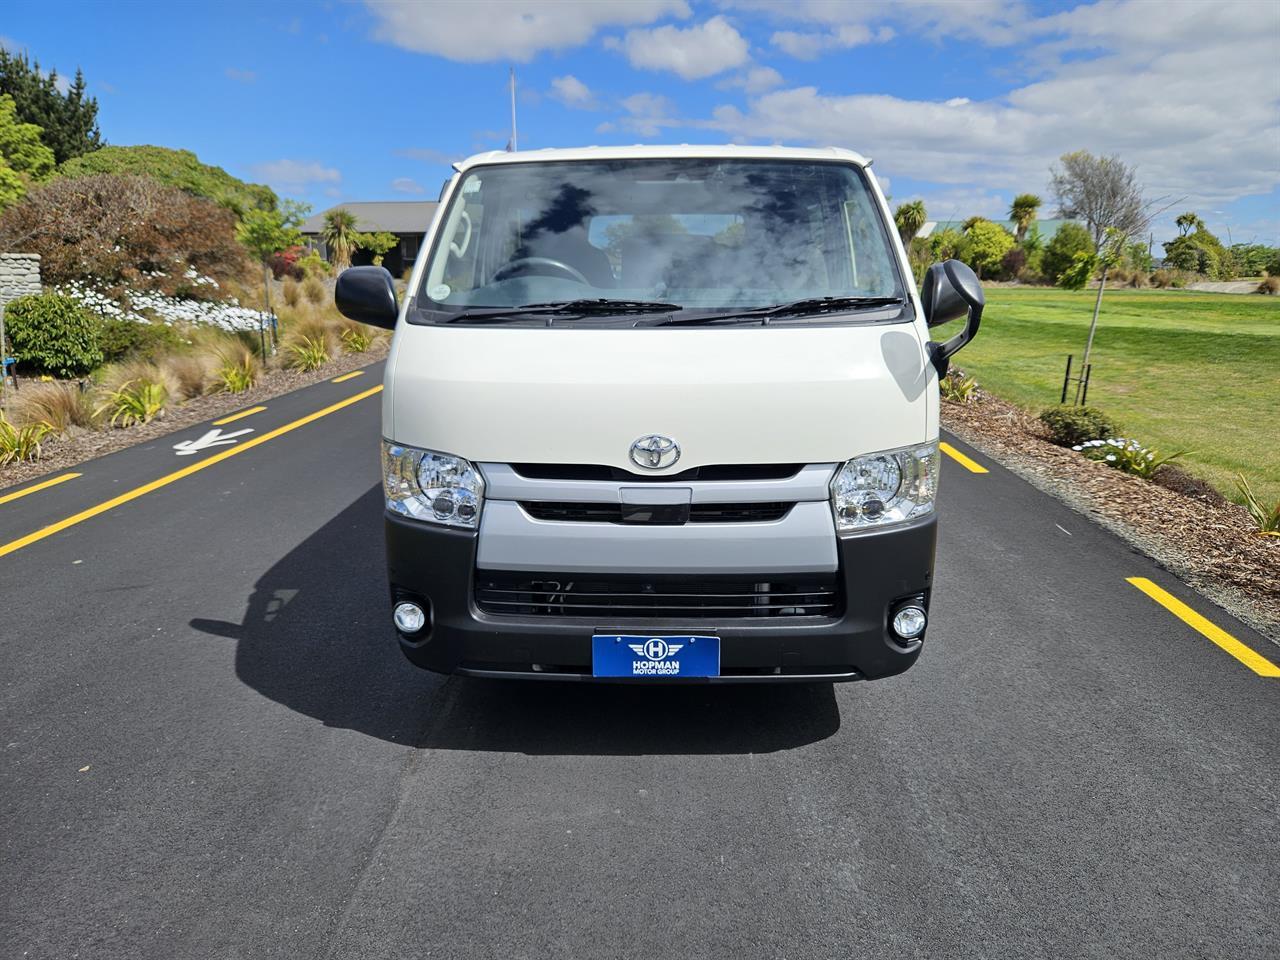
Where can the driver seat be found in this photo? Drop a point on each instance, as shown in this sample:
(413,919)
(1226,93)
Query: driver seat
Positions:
(570,247)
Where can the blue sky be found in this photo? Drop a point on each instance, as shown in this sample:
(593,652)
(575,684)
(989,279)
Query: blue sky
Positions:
(962,103)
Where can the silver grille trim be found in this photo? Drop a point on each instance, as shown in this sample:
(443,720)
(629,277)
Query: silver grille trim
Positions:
(811,483)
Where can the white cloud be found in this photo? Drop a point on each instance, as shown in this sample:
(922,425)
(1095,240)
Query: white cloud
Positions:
(243,76)
(295,176)
(474,32)
(647,113)
(406,185)
(807,46)
(694,52)
(1190,98)
(753,80)
(430,155)
(572,92)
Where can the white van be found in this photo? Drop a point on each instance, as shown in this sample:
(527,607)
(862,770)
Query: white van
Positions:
(663,413)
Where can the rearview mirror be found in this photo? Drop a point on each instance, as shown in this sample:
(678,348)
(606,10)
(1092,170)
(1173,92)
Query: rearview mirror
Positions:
(951,291)
(367,295)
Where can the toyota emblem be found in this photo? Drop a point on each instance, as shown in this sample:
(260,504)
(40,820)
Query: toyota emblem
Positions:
(655,452)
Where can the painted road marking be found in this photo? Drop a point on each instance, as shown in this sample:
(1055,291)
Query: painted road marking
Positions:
(971,465)
(347,376)
(1246,655)
(237,416)
(214,438)
(186,471)
(17,494)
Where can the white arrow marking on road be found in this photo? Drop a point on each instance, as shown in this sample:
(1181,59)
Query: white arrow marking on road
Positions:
(214,438)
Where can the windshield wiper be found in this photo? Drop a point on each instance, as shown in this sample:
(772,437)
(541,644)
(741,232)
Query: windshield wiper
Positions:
(809,305)
(577,308)
(600,305)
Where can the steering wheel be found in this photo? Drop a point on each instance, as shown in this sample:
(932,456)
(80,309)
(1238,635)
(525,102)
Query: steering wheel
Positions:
(543,266)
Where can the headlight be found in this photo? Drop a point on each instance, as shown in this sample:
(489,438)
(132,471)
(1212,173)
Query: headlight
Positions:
(431,486)
(885,488)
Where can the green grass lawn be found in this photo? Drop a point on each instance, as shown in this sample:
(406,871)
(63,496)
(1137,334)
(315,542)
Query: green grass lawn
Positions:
(1179,370)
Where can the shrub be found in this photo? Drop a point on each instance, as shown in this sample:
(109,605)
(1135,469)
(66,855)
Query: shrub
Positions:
(189,373)
(1162,278)
(177,168)
(121,338)
(356,339)
(136,401)
(59,405)
(1060,252)
(314,265)
(308,353)
(1269,285)
(314,289)
(118,232)
(239,369)
(284,263)
(53,334)
(1013,262)
(20,443)
(985,246)
(1127,455)
(291,292)
(957,387)
(1267,518)
(1069,426)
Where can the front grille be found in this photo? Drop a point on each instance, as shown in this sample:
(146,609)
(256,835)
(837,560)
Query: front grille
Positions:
(653,597)
(631,513)
(712,472)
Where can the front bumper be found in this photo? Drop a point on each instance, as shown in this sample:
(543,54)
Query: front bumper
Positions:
(877,569)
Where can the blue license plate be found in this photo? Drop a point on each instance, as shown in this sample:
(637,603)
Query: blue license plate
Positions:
(614,655)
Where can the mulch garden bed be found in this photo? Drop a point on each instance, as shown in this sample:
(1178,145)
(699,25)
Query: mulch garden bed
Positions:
(60,454)
(1179,521)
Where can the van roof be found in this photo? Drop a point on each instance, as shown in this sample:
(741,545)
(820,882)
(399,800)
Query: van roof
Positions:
(643,152)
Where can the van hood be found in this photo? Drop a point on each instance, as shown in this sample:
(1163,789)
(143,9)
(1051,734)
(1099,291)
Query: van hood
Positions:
(814,394)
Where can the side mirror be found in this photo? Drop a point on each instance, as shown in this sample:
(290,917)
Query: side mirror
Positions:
(951,291)
(367,295)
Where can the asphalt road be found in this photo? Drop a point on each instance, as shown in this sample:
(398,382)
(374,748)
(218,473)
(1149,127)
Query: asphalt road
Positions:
(213,749)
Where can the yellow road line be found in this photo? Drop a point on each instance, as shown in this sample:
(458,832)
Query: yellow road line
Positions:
(169,478)
(39,486)
(238,416)
(1246,655)
(347,376)
(971,465)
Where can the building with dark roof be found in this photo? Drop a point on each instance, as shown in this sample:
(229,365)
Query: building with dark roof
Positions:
(407,219)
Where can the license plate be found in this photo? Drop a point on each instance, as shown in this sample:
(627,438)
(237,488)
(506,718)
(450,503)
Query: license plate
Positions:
(615,655)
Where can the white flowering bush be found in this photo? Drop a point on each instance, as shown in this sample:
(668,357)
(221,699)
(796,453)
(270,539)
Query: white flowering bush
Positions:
(1127,455)
(225,314)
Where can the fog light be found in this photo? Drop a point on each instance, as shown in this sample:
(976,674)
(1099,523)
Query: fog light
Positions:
(908,623)
(409,617)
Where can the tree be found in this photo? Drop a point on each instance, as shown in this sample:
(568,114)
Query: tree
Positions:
(985,245)
(1102,191)
(1187,222)
(1061,250)
(124,233)
(1105,194)
(21,146)
(178,168)
(68,121)
(1198,251)
(909,218)
(377,243)
(340,235)
(265,233)
(1023,213)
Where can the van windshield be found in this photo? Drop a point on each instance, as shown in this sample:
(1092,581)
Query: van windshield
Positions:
(704,234)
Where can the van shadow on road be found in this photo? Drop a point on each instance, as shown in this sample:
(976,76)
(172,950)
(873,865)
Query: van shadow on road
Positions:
(316,638)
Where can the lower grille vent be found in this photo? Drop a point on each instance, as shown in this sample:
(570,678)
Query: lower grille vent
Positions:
(671,514)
